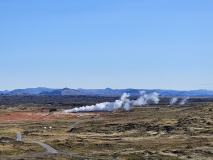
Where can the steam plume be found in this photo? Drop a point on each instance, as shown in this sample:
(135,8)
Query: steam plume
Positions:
(122,102)
(184,100)
(173,100)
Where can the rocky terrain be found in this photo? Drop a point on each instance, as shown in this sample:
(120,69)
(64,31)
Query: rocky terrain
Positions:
(81,100)
(151,132)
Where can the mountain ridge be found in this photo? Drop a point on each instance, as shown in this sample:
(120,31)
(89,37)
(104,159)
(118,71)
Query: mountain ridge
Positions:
(107,92)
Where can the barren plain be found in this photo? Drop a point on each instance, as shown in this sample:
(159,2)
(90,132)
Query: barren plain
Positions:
(150,132)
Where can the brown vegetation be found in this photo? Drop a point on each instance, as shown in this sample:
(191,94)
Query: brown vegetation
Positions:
(141,133)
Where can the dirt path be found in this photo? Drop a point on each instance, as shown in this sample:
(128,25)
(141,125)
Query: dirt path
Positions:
(18,136)
(81,121)
(51,150)
(75,124)
(48,148)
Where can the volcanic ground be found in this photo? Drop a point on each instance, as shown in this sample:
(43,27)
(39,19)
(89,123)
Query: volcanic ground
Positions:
(151,132)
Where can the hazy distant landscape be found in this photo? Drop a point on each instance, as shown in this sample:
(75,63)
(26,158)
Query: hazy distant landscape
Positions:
(106,92)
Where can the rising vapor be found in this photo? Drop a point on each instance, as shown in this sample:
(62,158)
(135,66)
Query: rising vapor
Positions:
(173,100)
(122,102)
(184,100)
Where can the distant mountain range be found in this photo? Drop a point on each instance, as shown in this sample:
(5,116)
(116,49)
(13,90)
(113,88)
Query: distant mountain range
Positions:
(27,91)
(107,92)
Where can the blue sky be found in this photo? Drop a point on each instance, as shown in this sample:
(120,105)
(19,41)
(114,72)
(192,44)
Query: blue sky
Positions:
(113,43)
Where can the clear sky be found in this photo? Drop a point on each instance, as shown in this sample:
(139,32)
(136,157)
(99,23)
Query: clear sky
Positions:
(164,44)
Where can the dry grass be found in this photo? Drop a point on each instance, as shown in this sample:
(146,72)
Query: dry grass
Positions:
(141,133)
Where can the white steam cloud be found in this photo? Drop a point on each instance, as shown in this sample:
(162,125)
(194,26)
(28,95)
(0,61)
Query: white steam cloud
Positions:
(184,100)
(173,100)
(122,102)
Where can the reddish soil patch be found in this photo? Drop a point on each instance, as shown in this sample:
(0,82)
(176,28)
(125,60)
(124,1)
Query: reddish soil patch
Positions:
(41,115)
